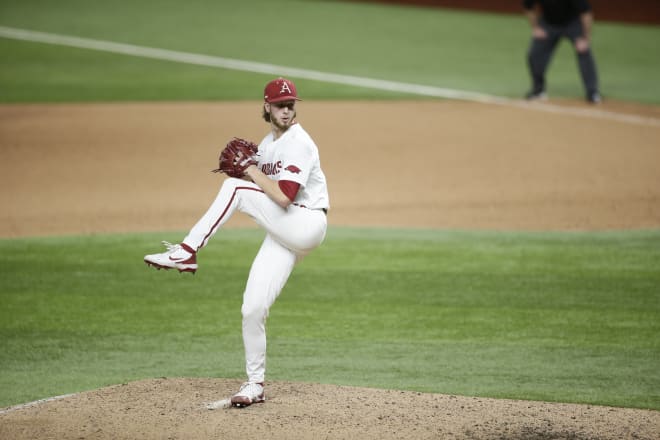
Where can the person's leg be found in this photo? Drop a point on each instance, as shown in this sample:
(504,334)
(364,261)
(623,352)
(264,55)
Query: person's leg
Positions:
(586,63)
(297,228)
(183,256)
(539,55)
(268,275)
(269,272)
(223,207)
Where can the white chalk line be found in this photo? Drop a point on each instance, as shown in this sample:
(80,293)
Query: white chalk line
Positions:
(273,69)
(35,403)
(218,404)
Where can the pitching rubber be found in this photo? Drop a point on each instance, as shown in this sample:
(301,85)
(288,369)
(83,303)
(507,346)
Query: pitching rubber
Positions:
(219,404)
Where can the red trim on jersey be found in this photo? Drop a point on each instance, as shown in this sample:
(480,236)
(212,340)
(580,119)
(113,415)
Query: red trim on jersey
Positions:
(231,200)
(289,188)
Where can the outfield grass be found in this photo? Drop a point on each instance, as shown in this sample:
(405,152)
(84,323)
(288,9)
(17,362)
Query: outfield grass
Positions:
(430,46)
(571,317)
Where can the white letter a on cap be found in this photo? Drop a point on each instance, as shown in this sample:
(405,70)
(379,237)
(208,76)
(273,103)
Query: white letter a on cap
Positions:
(285,87)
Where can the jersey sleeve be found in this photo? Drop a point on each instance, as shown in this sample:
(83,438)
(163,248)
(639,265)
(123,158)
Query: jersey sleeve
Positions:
(297,164)
(289,188)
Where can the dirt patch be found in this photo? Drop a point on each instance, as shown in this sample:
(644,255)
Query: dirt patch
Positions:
(176,409)
(71,169)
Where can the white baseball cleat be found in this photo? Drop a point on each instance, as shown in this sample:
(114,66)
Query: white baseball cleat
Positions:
(178,256)
(250,392)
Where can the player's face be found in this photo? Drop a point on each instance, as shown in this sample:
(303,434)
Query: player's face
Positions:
(282,113)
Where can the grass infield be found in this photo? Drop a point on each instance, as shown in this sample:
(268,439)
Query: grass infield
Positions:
(571,317)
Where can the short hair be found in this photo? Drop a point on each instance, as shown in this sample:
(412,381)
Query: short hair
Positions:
(265,114)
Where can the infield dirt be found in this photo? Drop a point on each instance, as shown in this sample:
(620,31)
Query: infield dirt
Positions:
(88,168)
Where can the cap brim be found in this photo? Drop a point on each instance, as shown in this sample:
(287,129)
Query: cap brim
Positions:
(284,98)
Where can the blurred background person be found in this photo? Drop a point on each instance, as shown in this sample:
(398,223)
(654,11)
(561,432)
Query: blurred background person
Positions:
(552,20)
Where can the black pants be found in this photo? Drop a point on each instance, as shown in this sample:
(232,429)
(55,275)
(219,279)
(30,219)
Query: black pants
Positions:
(541,50)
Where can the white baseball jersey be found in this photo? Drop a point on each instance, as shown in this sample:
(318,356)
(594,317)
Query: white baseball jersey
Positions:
(295,157)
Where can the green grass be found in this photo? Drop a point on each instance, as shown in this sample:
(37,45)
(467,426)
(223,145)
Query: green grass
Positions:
(431,46)
(572,317)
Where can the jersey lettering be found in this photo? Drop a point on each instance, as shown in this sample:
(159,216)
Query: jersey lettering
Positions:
(271,169)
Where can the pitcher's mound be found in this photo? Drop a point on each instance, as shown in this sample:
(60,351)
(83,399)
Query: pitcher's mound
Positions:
(177,409)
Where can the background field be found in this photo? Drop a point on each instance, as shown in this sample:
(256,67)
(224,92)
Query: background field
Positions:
(433,47)
(569,317)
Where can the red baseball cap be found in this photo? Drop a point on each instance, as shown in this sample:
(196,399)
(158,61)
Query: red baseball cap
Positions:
(280,89)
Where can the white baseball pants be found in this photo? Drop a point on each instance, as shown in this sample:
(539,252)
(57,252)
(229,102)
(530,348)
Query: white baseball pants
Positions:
(291,234)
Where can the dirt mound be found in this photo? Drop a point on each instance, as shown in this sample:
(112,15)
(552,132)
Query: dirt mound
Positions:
(176,409)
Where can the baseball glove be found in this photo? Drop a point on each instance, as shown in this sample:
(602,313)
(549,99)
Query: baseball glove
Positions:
(236,157)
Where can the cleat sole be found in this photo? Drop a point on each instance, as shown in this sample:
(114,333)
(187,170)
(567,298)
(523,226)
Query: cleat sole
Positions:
(159,267)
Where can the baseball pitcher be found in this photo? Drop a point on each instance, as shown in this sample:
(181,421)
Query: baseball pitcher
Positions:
(280,184)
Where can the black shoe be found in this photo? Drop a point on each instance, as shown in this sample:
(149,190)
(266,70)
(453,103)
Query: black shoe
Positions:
(594,98)
(536,96)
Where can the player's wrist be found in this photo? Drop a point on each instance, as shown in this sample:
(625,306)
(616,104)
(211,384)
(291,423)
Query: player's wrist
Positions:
(251,169)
